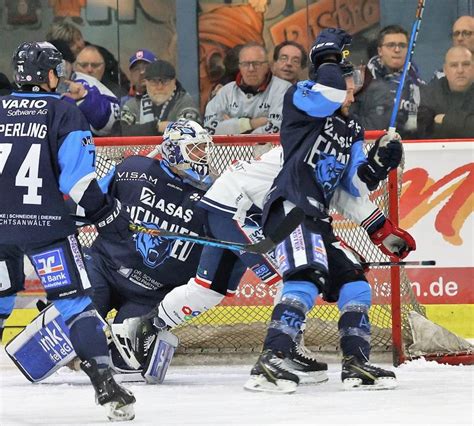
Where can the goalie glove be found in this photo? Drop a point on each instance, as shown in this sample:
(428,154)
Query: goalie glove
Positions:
(383,157)
(393,241)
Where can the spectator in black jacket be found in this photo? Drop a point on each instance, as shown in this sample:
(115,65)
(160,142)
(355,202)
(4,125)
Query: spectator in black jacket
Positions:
(447,104)
(5,85)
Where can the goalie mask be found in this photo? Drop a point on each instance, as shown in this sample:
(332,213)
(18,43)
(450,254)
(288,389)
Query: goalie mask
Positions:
(33,60)
(188,147)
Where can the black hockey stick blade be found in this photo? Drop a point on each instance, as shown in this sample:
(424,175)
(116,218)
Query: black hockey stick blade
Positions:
(402,263)
(287,226)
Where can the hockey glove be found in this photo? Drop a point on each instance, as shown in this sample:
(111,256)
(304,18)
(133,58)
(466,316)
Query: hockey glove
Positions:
(393,241)
(383,157)
(112,221)
(330,41)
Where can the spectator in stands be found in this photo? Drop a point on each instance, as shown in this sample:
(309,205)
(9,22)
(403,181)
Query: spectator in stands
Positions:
(253,102)
(137,66)
(289,60)
(166,100)
(374,102)
(5,85)
(231,65)
(113,77)
(463,35)
(98,104)
(90,61)
(463,32)
(447,104)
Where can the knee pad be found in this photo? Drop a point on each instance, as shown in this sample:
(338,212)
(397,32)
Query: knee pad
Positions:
(355,292)
(70,307)
(304,292)
(186,302)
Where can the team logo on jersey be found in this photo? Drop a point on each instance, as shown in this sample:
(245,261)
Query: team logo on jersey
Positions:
(154,250)
(51,268)
(328,173)
(195,197)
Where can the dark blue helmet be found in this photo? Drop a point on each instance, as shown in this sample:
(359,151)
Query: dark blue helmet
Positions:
(33,60)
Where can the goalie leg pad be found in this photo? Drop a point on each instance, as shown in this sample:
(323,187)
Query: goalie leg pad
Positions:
(186,302)
(42,347)
(160,357)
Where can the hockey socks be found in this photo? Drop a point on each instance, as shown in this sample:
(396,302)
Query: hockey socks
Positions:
(354,331)
(285,324)
(86,331)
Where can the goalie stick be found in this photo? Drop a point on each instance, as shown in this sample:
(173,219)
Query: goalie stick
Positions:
(402,263)
(286,227)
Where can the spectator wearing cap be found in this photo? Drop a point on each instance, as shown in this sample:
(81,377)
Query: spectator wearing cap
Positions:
(137,66)
(98,104)
(166,100)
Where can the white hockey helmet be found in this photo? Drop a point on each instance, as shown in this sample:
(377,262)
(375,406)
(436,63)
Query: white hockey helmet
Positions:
(188,147)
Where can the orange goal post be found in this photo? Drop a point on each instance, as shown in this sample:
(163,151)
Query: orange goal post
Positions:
(238,324)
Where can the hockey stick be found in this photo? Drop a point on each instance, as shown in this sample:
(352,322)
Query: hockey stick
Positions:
(286,227)
(406,263)
(406,66)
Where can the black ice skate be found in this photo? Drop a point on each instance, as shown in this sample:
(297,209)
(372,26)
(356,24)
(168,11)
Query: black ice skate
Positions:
(116,398)
(270,374)
(357,374)
(304,364)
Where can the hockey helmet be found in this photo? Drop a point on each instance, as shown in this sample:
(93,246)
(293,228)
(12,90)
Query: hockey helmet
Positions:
(188,147)
(33,60)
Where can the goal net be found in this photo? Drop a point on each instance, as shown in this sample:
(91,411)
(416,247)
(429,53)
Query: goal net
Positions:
(239,323)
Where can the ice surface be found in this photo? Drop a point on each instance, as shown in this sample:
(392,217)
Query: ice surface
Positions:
(428,393)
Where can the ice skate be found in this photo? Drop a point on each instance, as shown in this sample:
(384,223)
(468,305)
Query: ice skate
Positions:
(304,364)
(270,374)
(118,400)
(357,374)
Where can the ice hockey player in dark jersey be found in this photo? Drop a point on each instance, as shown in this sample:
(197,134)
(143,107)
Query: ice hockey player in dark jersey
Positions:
(133,276)
(322,148)
(47,152)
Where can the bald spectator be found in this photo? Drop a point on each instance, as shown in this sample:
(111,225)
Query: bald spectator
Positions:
(463,32)
(462,35)
(289,61)
(253,102)
(447,104)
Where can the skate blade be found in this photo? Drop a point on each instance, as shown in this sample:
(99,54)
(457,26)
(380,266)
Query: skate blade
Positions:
(261,384)
(382,383)
(120,414)
(312,377)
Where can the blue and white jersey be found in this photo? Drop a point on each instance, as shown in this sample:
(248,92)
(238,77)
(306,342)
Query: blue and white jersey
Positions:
(46,152)
(322,148)
(156,198)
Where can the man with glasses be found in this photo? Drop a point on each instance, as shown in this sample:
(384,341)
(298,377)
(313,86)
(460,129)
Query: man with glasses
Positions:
(289,60)
(374,102)
(165,100)
(253,102)
(462,35)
